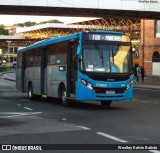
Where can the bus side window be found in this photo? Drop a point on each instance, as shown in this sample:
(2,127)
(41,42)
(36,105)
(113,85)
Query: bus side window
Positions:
(30,59)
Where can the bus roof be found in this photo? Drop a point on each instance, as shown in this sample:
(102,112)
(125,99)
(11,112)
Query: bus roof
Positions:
(57,39)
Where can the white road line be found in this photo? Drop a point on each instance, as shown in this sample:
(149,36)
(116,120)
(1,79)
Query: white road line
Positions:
(7,89)
(18,105)
(83,127)
(111,137)
(28,108)
(17,114)
(154,151)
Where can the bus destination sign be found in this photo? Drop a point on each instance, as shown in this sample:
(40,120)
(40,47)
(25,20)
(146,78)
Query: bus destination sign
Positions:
(104,37)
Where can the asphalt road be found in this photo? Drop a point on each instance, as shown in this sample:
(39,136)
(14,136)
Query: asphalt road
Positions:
(47,122)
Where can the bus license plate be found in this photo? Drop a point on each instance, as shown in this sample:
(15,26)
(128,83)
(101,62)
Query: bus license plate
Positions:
(111,92)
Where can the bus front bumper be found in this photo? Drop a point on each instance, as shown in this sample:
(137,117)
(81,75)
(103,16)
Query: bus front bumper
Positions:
(84,93)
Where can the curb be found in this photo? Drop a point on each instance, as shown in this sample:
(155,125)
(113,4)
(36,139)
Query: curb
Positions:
(147,87)
(7,78)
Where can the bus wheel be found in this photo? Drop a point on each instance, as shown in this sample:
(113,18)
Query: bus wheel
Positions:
(106,103)
(30,92)
(64,100)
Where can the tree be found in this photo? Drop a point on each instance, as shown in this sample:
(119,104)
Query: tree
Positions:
(51,21)
(3,31)
(19,25)
(29,23)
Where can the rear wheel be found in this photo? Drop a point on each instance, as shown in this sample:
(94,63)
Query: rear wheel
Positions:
(64,100)
(106,103)
(30,92)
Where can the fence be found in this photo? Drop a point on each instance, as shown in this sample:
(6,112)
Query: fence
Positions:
(7,69)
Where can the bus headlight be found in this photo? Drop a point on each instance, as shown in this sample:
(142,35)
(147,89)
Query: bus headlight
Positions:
(89,85)
(129,84)
(84,82)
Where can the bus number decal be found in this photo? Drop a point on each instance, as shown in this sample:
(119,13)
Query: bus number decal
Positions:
(96,37)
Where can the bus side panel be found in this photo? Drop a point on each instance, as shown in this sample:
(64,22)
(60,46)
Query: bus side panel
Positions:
(37,84)
(55,77)
(51,83)
(33,76)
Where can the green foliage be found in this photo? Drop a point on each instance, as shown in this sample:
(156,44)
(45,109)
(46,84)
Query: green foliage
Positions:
(3,31)
(7,69)
(4,50)
(29,23)
(51,21)
(19,25)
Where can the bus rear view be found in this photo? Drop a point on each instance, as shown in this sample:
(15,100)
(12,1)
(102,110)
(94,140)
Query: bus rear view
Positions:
(105,68)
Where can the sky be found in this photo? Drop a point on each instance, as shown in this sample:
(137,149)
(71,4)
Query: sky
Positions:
(8,20)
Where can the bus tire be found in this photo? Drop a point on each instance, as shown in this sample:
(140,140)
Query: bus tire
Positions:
(64,100)
(106,103)
(30,92)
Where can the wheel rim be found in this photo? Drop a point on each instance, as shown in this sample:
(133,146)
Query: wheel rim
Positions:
(64,97)
(30,92)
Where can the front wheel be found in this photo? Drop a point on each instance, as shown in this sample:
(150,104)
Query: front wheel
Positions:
(64,100)
(106,103)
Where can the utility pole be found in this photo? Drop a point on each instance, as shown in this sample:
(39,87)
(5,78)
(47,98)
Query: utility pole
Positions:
(9,47)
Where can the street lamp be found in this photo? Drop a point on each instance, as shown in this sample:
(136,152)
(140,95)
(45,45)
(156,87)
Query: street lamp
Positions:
(9,47)
(0,57)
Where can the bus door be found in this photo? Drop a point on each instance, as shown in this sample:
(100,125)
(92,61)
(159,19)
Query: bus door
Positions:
(71,70)
(44,72)
(24,62)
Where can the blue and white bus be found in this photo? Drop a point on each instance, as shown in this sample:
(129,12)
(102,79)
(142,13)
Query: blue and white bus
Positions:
(84,66)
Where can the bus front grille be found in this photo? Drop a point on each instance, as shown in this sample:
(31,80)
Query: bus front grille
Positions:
(104,90)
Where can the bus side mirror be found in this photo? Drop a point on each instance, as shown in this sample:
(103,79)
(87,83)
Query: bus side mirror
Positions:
(79,50)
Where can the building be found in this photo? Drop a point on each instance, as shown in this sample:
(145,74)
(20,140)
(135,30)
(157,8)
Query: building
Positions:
(149,53)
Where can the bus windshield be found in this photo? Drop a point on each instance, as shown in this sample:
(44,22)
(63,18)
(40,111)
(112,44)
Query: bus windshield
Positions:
(106,58)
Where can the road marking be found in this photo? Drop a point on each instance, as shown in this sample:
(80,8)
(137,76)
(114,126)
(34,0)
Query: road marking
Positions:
(18,105)
(83,127)
(154,151)
(17,114)
(28,108)
(7,89)
(111,137)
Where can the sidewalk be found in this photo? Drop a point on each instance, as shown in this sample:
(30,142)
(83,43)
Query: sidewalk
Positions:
(148,84)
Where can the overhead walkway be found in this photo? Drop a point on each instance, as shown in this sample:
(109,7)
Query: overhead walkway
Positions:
(96,8)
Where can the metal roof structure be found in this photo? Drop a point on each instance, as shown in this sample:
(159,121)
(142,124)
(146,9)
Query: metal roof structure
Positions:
(30,35)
